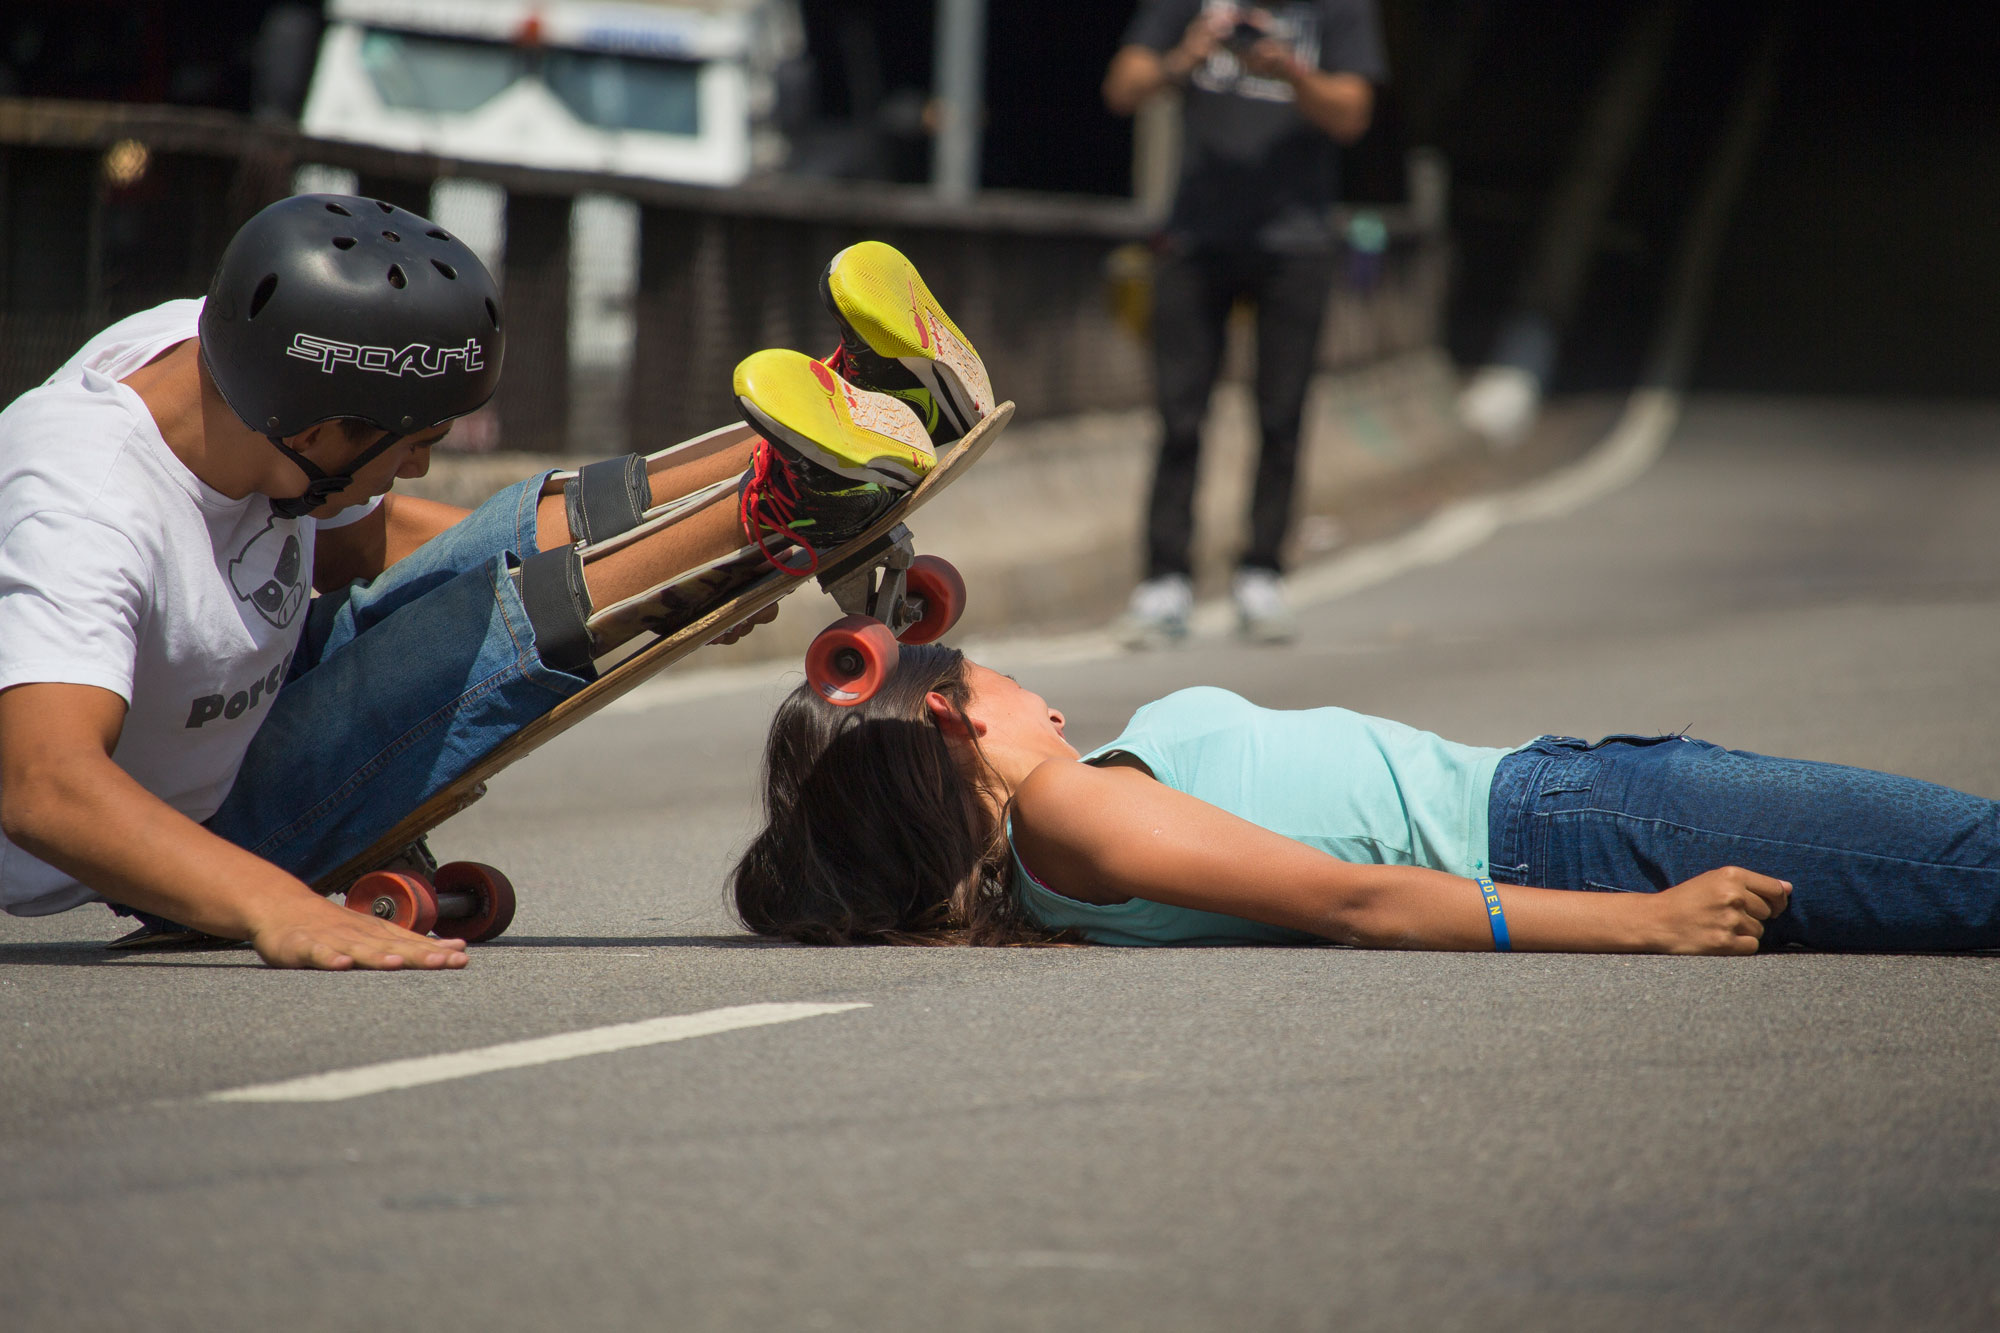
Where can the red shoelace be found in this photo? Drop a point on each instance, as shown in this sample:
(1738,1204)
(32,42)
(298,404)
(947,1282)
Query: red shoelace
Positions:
(768,506)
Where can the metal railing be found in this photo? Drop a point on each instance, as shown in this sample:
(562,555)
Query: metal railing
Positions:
(109,208)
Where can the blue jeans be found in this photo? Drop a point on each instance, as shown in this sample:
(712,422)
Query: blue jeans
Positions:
(1876,861)
(398,686)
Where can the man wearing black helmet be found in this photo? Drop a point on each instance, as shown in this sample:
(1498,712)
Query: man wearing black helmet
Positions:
(184,731)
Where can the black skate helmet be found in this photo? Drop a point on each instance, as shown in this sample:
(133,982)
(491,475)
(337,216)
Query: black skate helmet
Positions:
(327,306)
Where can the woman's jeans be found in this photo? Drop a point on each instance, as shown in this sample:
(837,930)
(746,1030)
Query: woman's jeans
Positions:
(1875,861)
(399,685)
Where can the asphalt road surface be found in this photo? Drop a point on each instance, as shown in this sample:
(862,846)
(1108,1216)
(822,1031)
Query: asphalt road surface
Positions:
(1119,1139)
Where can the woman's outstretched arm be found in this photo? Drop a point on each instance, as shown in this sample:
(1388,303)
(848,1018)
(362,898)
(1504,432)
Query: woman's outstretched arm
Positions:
(1106,835)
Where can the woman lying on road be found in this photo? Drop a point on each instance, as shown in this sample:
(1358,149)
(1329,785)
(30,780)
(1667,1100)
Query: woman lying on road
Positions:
(949,809)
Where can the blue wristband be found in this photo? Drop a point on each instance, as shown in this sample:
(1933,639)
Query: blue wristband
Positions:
(1494,916)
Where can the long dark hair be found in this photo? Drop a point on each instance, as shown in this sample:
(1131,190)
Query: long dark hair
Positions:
(872,834)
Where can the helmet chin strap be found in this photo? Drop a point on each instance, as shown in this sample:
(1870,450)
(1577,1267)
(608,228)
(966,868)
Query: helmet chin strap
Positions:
(321,485)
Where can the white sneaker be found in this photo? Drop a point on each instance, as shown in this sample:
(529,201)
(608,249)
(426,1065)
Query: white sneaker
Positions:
(1262,613)
(1157,615)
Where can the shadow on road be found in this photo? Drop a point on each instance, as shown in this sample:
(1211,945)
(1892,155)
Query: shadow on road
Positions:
(637,942)
(92,953)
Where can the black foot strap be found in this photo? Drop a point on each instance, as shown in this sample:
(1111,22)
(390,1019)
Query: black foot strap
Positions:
(558,606)
(606,498)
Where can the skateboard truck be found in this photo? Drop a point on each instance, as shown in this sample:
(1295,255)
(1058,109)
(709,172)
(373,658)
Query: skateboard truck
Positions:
(854,584)
(890,594)
(460,899)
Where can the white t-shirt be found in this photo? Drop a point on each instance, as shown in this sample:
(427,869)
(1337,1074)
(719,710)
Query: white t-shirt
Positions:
(122,569)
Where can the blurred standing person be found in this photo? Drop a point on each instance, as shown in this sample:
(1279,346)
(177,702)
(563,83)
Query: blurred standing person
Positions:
(1270,92)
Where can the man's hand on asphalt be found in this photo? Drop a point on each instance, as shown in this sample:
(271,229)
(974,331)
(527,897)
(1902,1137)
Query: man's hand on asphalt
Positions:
(316,933)
(1720,912)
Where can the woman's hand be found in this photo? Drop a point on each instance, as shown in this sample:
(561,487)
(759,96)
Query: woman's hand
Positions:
(1722,911)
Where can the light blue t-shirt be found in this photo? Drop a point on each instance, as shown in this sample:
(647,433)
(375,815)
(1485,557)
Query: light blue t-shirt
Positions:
(1364,789)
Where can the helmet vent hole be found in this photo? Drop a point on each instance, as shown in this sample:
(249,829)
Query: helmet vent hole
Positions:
(445,269)
(492,312)
(386,208)
(390,236)
(343,242)
(437,235)
(396,276)
(266,288)
(336,208)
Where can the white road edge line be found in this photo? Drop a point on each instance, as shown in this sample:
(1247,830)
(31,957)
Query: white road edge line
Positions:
(366,1080)
(1633,444)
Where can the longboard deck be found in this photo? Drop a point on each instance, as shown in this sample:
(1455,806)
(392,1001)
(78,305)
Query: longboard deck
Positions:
(762,590)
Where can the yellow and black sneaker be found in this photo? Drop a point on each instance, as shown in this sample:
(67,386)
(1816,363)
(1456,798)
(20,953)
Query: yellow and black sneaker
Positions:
(896,339)
(802,405)
(833,458)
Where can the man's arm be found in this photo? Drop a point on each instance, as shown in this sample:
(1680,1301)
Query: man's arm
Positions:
(1111,834)
(1137,71)
(399,525)
(63,799)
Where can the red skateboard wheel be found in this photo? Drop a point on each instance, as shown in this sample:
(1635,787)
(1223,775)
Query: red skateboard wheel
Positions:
(942,588)
(850,659)
(475,901)
(395,896)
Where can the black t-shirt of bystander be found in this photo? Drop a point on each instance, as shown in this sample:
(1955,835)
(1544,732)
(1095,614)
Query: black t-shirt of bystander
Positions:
(1254,172)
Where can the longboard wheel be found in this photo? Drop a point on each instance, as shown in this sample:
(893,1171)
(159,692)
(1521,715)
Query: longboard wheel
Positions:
(850,659)
(475,901)
(396,897)
(942,588)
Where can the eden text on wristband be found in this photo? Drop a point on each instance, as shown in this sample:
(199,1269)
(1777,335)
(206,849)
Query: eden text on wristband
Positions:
(1494,916)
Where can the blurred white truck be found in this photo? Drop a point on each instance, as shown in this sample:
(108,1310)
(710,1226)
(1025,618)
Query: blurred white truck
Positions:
(682,90)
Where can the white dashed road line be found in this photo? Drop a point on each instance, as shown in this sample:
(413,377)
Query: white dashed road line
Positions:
(365,1080)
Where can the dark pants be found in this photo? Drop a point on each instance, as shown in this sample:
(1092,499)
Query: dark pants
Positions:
(1193,291)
